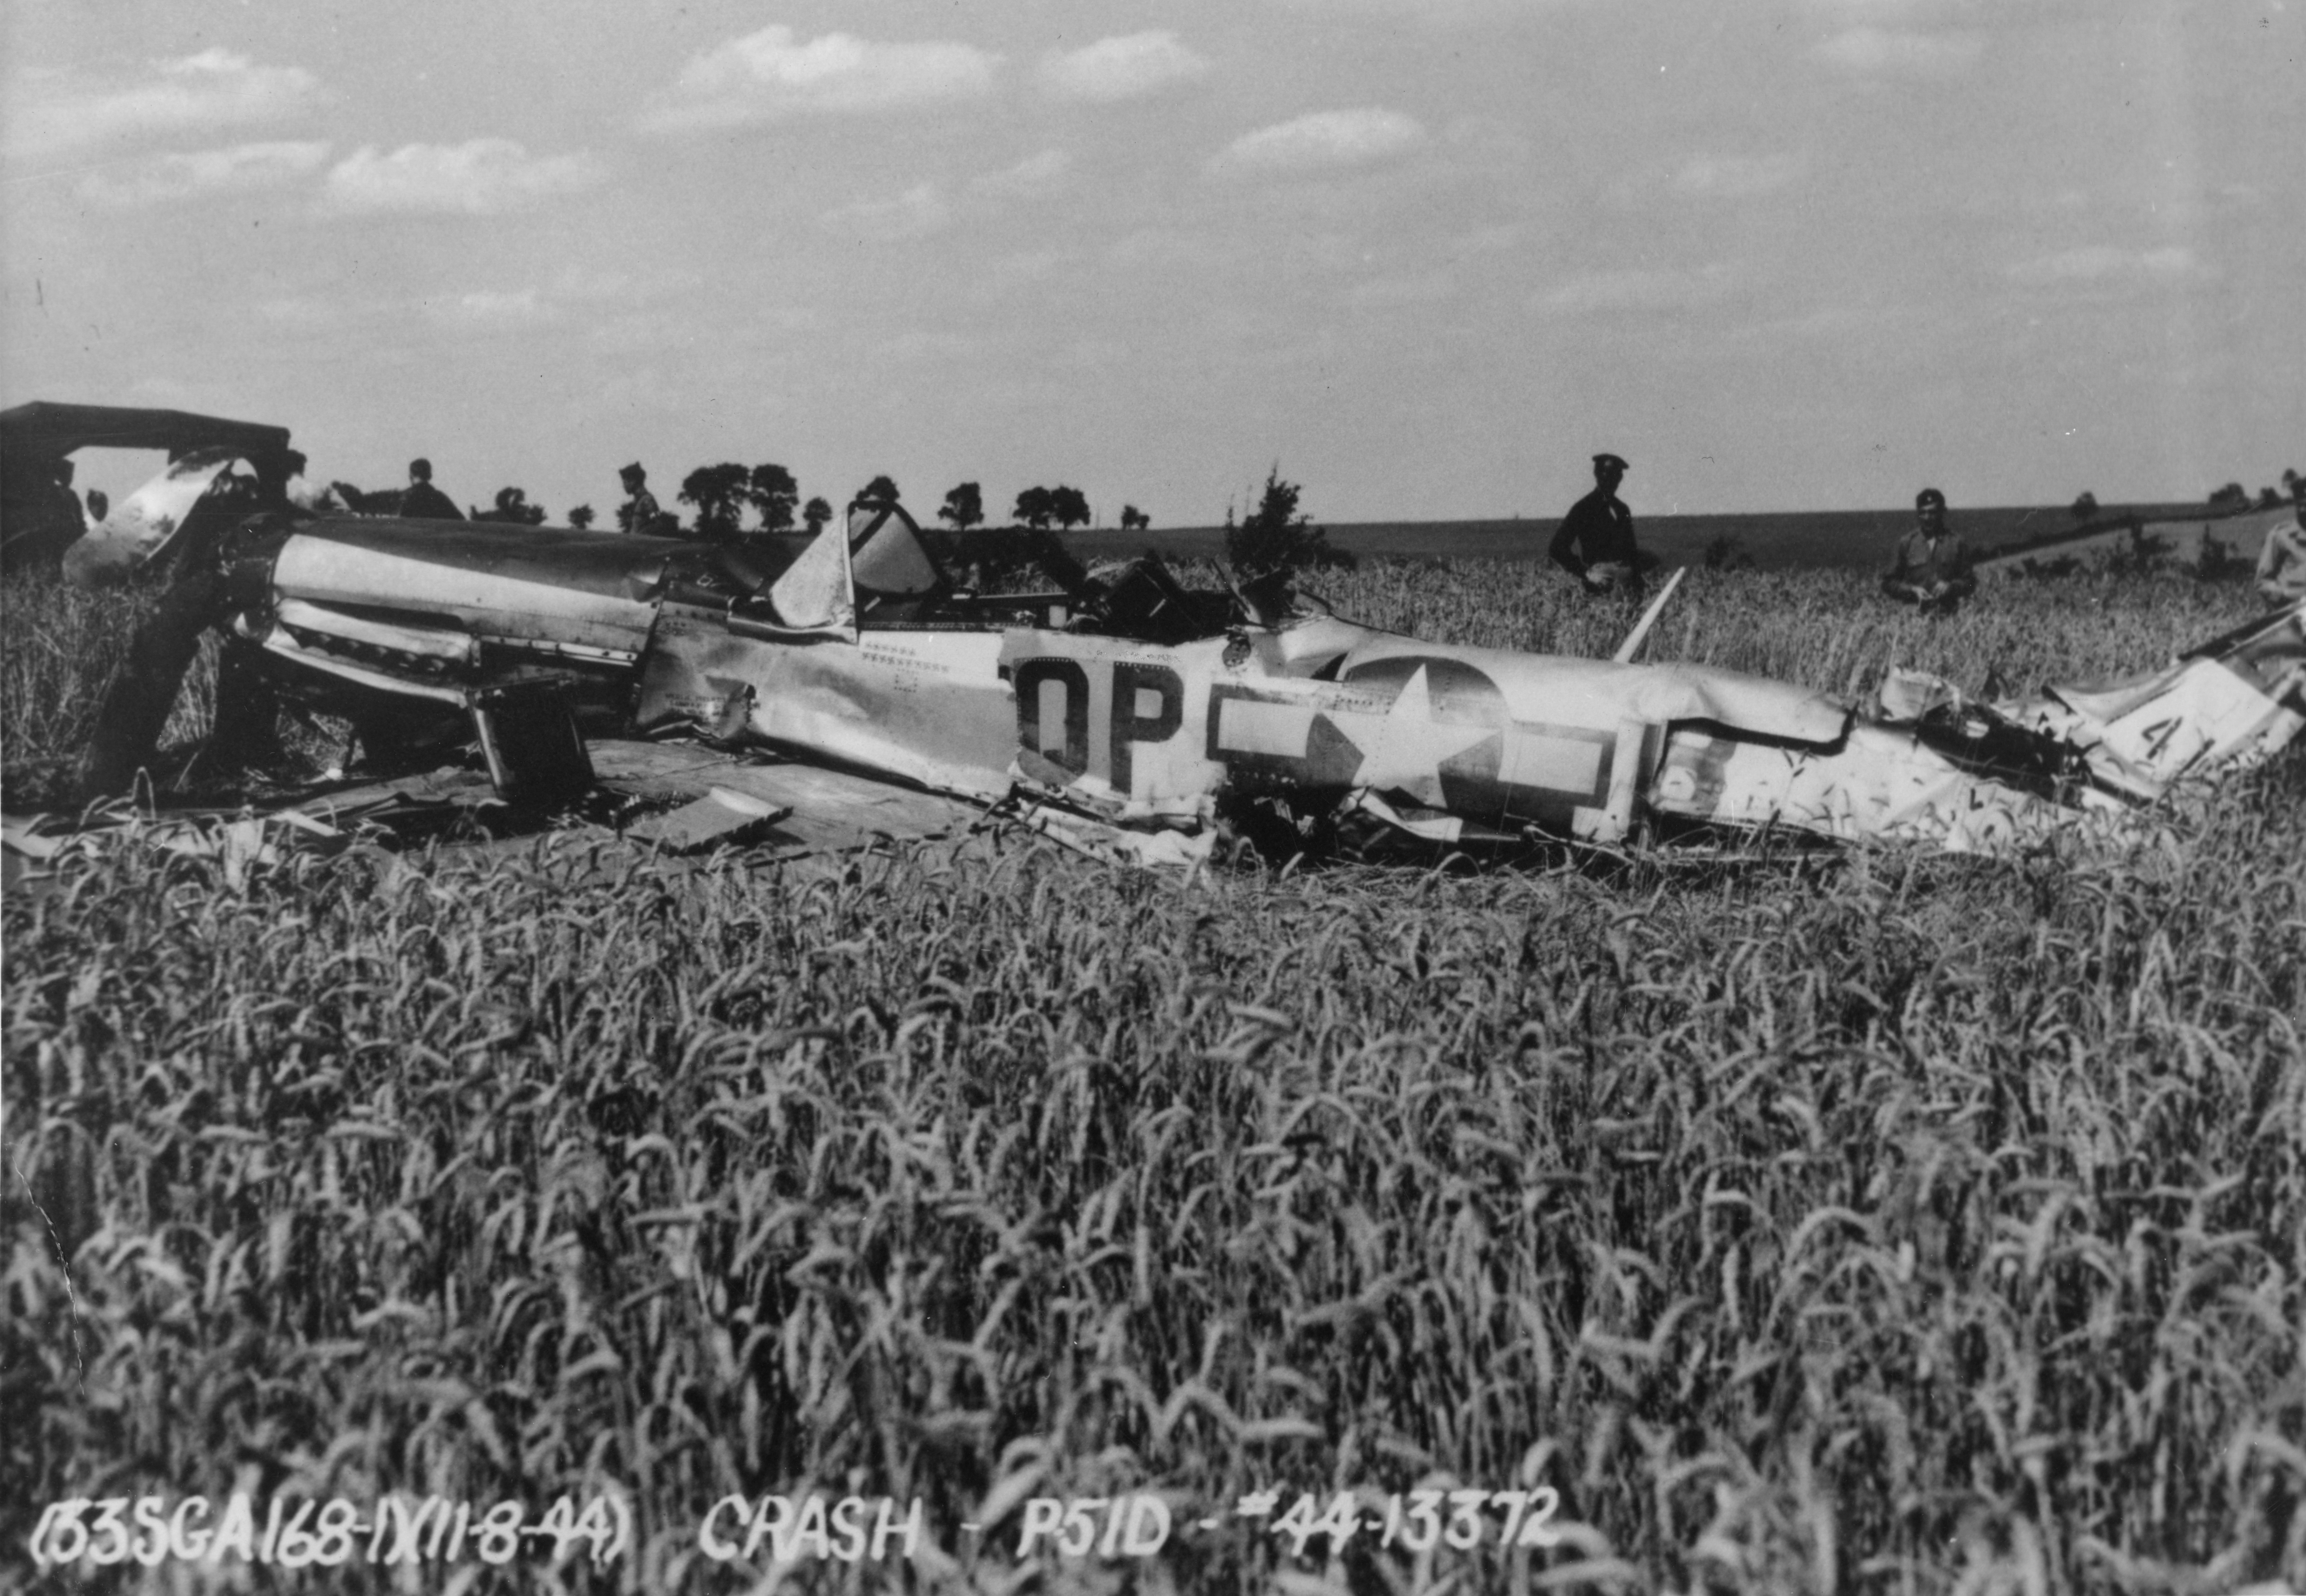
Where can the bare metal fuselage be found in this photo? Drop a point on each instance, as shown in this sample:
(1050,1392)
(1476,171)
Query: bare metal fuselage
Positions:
(858,653)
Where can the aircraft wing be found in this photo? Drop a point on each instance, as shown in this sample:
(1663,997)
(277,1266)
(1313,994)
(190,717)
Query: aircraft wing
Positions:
(783,807)
(702,797)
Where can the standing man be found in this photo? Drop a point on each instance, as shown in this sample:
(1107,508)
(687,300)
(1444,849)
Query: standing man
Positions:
(638,513)
(1595,541)
(422,501)
(1932,569)
(2281,563)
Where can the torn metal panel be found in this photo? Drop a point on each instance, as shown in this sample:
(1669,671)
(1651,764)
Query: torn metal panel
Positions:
(145,526)
(923,706)
(2230,702)
(1879,784)
(426,791)
(927,707)
(1116,845)
(650,769)
(815,594)
(2234,700)
(801,808)
(720,818)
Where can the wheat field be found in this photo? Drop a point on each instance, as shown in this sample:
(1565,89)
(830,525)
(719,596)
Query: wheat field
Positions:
(1883,1223)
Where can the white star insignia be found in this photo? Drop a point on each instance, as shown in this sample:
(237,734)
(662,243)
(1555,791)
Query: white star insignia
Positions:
(1402,750)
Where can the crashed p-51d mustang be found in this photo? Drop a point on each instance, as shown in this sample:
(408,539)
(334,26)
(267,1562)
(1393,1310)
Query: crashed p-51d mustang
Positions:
(1128,716)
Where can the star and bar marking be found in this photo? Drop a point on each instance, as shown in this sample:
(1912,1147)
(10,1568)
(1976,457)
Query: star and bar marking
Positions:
(1402,747)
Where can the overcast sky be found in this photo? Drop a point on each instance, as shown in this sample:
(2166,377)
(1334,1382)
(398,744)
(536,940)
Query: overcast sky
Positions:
(1428,255)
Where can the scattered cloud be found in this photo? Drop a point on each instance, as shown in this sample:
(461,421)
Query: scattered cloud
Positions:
(481,178)
(1035,175)
(1325,141)
(1489,238)
(916,213)
(1926,14)
(772,73)
(1168,250)
(1880,10)
(575,292)
(1093,354)
(1024,269)
(243,167)
(57,113)
(301,312)
(925,346)
(1737,176)
(1486,143)
(1440,13)
(1893,53)
(1127,67)
(493,310)
(1415,288)
(1638,288)
(1873,324)
(635,333)
(2105,264)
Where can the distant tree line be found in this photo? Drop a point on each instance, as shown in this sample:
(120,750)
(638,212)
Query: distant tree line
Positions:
(2086,507)
(733,502)
(2267,497)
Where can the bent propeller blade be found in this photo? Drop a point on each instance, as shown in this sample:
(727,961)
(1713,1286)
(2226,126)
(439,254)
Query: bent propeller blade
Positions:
(1633,643)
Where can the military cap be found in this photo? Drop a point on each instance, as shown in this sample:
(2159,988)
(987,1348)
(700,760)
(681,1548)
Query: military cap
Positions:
(631,470)
(1929,497)
(1609,463)
(421,469)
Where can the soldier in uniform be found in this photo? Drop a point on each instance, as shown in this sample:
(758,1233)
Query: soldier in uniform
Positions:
(42,516)
(1932,569)
(2282,564)
(424,502)
(637,513)
(1595,541)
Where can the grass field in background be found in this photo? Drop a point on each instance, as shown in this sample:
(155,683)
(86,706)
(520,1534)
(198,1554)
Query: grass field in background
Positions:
(1814,540)
(1903,1222)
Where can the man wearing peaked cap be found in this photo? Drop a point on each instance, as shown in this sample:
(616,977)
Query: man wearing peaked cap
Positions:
(1595,541)
(1932,569)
